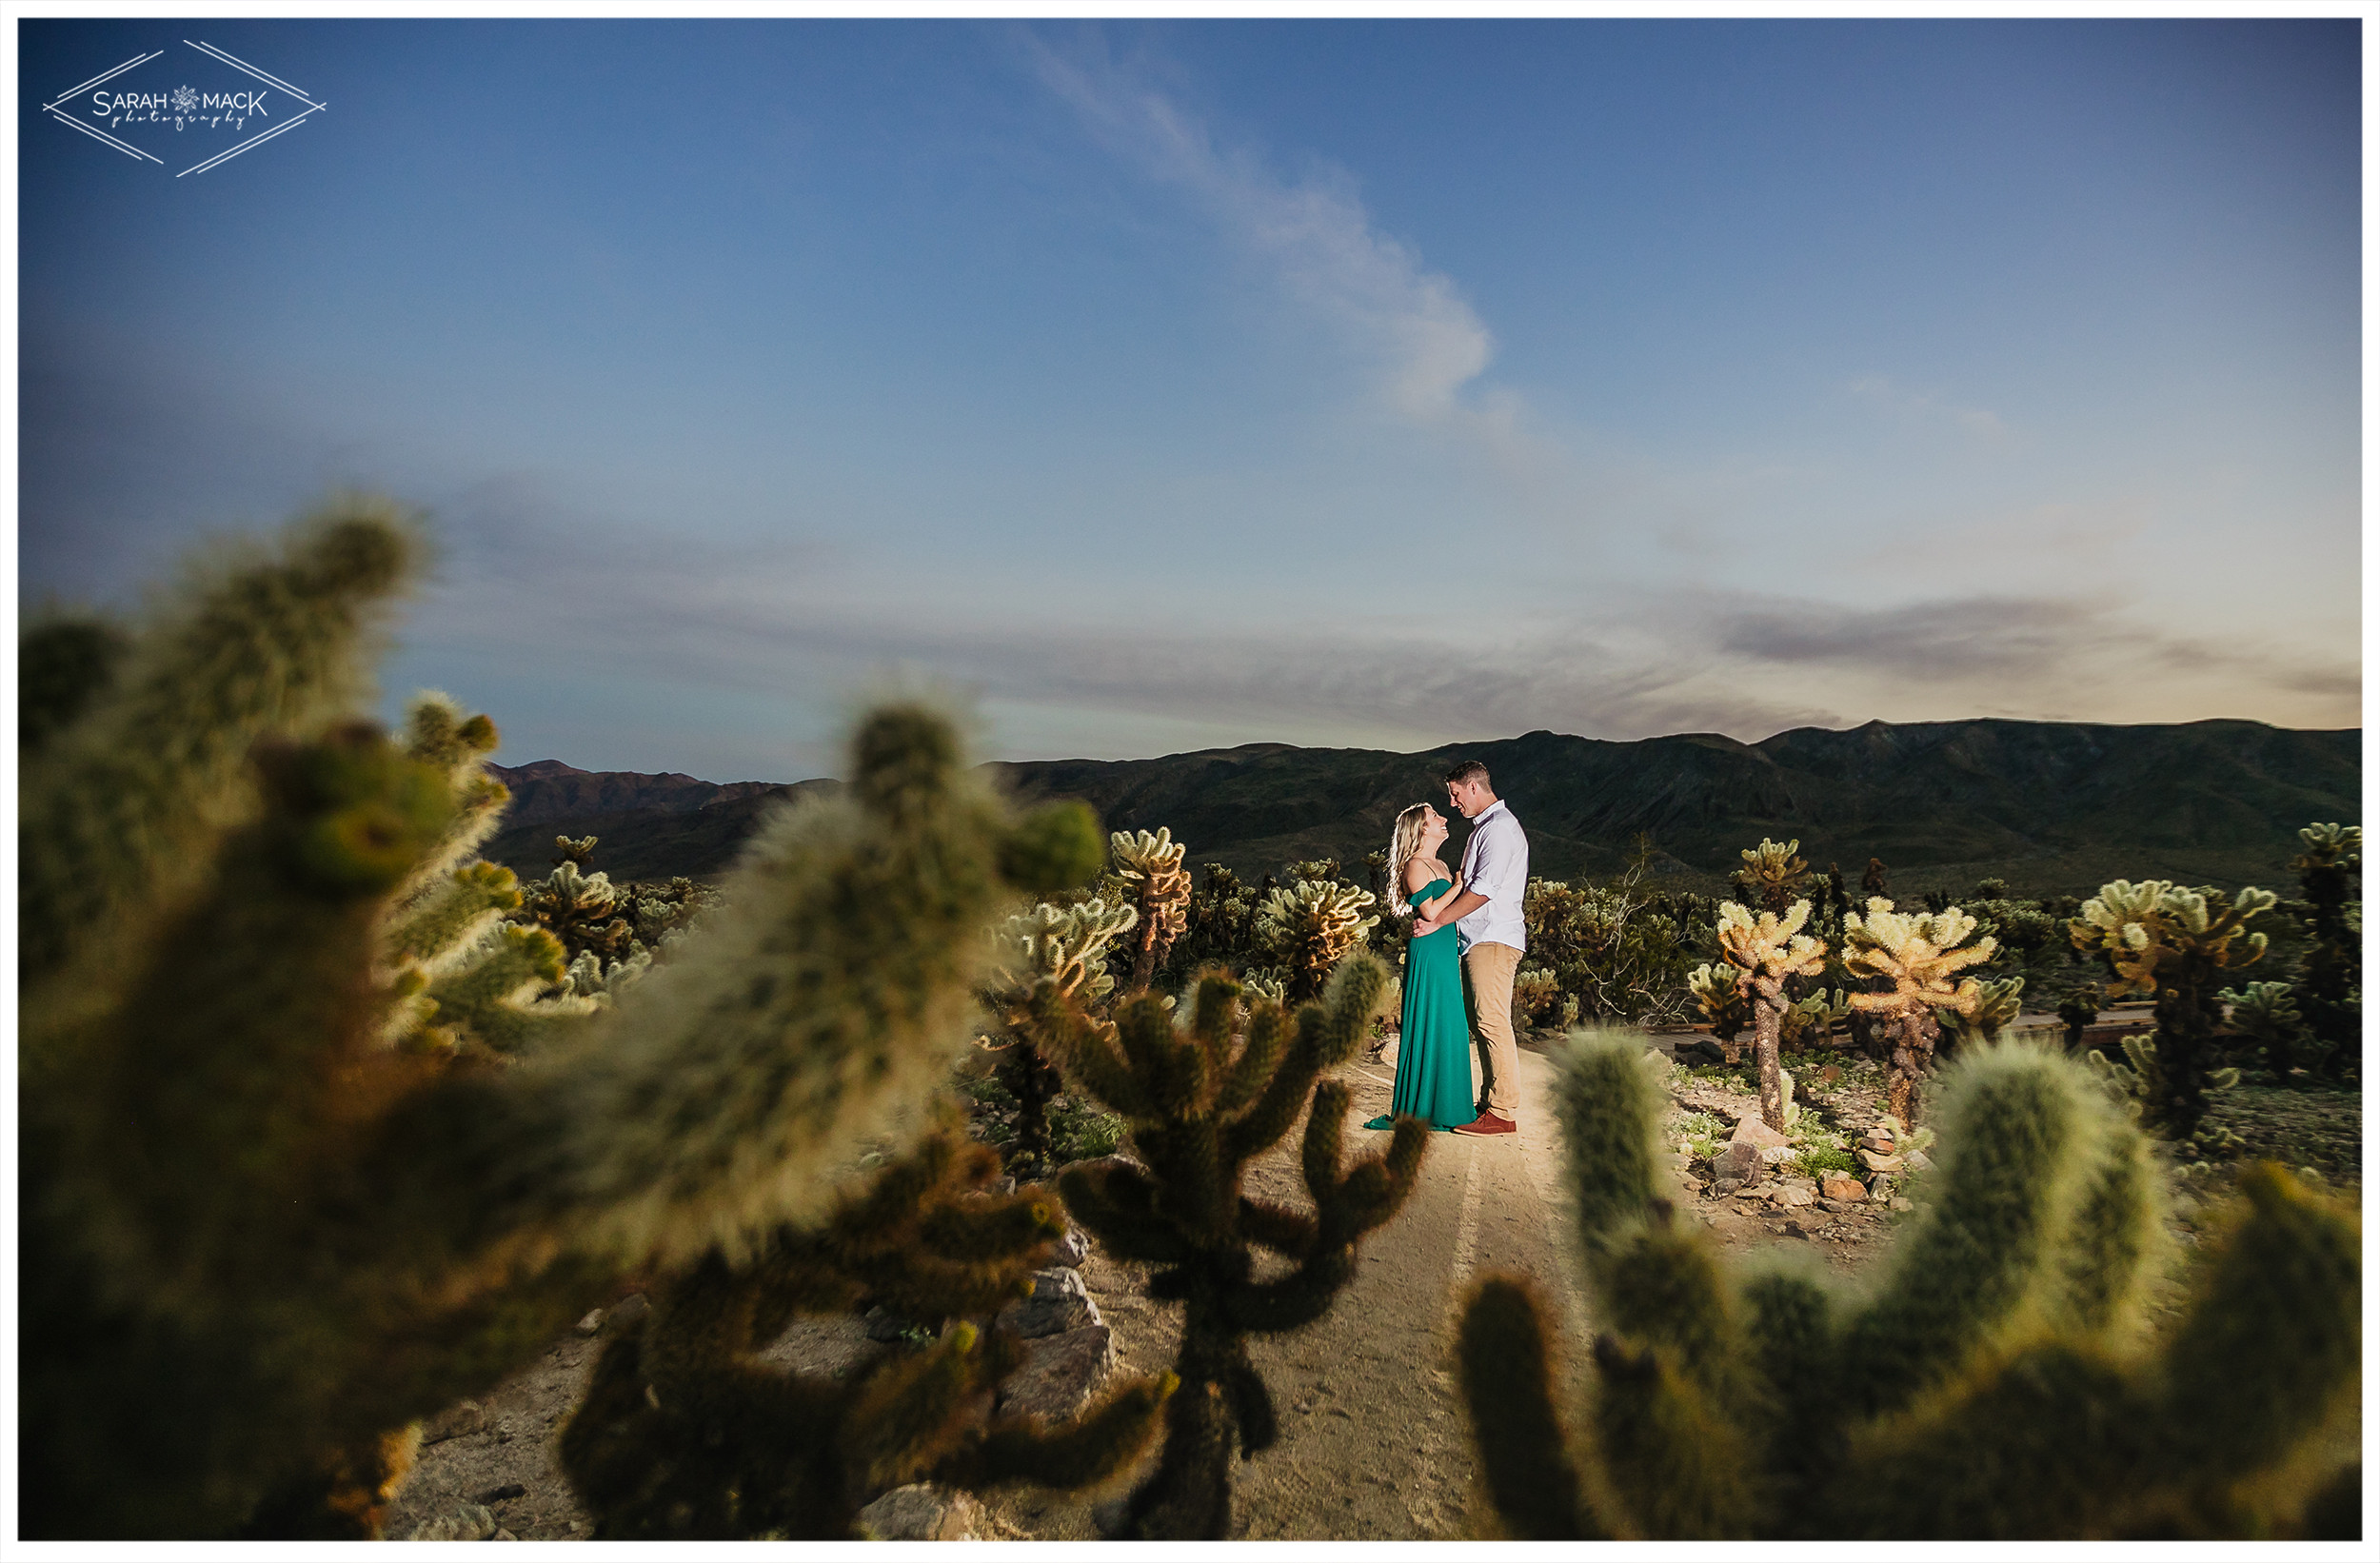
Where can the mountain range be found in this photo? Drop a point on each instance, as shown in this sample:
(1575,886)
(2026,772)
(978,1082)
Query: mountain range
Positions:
(2052,807)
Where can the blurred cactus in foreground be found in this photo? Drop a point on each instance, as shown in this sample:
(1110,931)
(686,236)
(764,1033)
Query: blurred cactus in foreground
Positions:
(1310,926)
(2175,944)
(686,1434)
(1918,953)
(1764,953)
(2001,1381)
(275,1205)
(1202,1099)
(1148,868)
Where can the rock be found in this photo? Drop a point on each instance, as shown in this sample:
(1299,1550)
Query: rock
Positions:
(1788,1197)
(627,1314)
(1740,1159)
(1072,1250)
(1777,1156)
(1060,1373)
(1879,1163)
(592,1322)
(1876,1140)
(1840,1207)
(467,1522)
(1843,1187)
(1723,1187)
(503,1535)
(497,1494)
(1059,1302)
(1807,1222)
(462,1417)
(921,1511)
(1901,1202)
(1920,1161)
(1753,1131)
(1007,1184)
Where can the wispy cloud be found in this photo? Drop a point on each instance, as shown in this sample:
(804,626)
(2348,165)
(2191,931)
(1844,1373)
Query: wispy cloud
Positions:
(1422,336)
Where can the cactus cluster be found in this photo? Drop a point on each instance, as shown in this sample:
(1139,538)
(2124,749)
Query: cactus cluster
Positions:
(1202,1097)
(1919,954)
(282,1192)
(2268,1011)
(2001,1381)
(1148,868)
(1771,874)
(1310,926)
(2175,944)
(1764,951)
(686,1434)
(1065,946)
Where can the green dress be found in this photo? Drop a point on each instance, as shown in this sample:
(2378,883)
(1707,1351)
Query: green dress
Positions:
(1434,1046)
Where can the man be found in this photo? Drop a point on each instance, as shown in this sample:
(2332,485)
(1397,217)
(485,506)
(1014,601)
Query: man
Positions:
(1488,926)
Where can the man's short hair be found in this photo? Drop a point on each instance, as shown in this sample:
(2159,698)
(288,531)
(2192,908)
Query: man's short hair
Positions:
(1467,770)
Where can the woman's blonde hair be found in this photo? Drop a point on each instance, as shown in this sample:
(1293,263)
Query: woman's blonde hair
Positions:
(1403,842)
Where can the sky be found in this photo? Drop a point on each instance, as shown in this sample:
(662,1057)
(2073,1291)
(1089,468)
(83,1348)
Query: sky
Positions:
(1163,386)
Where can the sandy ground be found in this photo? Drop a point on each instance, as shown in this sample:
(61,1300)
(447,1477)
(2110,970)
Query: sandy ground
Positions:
(1374,1444)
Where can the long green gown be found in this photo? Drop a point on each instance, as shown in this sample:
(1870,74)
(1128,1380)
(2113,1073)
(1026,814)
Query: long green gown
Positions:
(1434,1046)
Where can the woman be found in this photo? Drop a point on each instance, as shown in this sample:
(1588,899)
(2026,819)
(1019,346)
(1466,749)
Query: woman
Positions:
(1434,1044)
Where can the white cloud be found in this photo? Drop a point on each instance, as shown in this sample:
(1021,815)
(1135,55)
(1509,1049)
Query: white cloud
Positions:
(1421,336)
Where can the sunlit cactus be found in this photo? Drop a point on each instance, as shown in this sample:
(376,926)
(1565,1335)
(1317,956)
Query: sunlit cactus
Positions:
(2175,944)
(1150,869)
(261,1233)
(1773,872)
(1065,947)
(1203,1098)
(584,911)
(1921,954)
(1998,1001)
(2001,1379)
(1716,987)
(686,1434)
(1765,951)
(1310,926)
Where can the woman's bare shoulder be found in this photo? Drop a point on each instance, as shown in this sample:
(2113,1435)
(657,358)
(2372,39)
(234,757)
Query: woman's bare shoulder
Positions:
(1421,871)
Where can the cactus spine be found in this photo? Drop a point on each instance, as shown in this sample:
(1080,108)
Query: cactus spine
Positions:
(1918,953)
(1764,953)
(1201,1101)
(2000,1383)
(267,1219)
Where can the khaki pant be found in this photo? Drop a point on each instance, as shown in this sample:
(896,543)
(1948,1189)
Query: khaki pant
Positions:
(1490,967)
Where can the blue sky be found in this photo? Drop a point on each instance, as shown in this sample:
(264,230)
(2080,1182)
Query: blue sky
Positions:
(1172,385)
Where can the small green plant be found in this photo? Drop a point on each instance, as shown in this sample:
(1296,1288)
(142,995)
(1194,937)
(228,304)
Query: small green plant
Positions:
(1817,1160)
(1079,1132)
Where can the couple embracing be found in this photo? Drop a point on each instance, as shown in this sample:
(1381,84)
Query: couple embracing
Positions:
(1466,921)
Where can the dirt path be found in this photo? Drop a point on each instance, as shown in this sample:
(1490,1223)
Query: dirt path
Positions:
(1373,1442)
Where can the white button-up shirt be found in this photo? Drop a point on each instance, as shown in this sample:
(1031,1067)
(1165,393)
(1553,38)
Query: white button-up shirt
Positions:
(1496,865)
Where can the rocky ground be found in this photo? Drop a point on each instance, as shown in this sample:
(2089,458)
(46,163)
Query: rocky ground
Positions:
(1374,1440)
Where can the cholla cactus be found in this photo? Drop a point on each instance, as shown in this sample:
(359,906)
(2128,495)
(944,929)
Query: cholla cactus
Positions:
(590,978)
(1996,1006)
(2138,1084)
(579,852)
(2268,1011)
(1715,987)
(1150,868)
(1764,951)
(266,1237)
(584,911)
(1919,953)
(1772,872)
(1538,993)
(2175,943)
(1203,1099)
(2001,1381)
(2328,871)
(1311,926)
(1065,947)
(687,1434)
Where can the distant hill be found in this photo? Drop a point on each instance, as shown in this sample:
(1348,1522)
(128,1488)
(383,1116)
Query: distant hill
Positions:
(2049,807)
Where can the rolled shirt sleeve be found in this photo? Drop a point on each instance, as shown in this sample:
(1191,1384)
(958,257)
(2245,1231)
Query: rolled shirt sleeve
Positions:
(1496,865)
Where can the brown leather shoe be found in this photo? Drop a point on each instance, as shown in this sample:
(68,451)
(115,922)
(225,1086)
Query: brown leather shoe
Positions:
(1488,1123)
